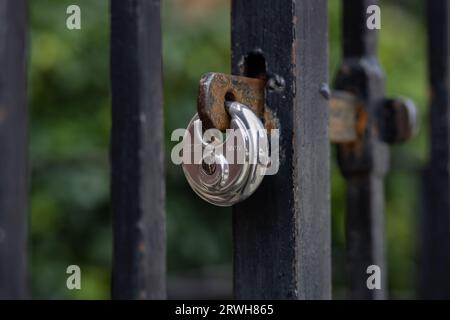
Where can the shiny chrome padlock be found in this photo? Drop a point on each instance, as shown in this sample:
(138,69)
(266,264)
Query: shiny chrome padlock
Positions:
(226,170)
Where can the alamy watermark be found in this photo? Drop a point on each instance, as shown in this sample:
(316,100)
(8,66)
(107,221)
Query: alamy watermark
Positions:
(73,21)
(234,145)
(74,280)
(374,280)
(374,19)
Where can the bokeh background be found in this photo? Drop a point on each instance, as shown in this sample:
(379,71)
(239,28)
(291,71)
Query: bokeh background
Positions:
(70,122)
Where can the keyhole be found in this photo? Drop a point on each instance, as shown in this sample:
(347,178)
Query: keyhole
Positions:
(209,168)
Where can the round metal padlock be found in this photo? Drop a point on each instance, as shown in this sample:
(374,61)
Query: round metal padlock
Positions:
(224,170)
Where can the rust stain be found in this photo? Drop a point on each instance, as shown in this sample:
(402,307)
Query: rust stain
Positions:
(141,247)
(270,121)
(362,119)
(348,118)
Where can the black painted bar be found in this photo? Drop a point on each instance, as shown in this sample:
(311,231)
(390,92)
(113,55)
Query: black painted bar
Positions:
(14,149)
(282,232)
(364,163)
(138,187)
(435,224)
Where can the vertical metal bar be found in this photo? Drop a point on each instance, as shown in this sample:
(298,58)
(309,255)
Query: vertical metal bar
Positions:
(435,249)
(364,163)
(282,233)
(138,187)
(14,149)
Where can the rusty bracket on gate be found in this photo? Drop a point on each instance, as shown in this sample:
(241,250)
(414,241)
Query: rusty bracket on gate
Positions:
(216,88)
(396,119)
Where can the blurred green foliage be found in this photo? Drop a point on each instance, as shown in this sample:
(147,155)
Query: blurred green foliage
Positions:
(70,123)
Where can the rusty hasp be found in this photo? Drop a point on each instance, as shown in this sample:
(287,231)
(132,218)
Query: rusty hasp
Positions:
(396,120)
(347,115)
(216,88)
(348,118)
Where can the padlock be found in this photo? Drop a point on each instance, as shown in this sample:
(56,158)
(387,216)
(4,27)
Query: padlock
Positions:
(226,170)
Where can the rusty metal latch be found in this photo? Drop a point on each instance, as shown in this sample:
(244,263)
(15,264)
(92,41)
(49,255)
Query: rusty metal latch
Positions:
(215,88)
(348,116)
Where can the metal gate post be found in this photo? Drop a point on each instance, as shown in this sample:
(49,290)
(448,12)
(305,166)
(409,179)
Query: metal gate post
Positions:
(365,163)
(138,188)
(282,233)
(435,224)
(14,149)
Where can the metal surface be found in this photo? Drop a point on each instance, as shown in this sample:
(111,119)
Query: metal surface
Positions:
(281,234)
(434,282)
(365,161)
(14,168)
(216,88)
(137,164)
(347,119)
(397,120)
(226,171)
